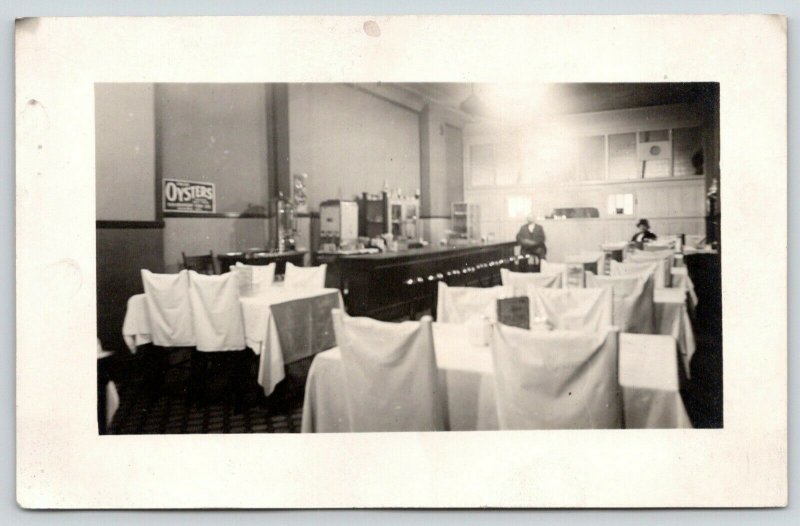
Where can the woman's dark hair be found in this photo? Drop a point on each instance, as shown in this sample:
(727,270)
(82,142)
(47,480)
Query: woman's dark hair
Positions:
(644,223)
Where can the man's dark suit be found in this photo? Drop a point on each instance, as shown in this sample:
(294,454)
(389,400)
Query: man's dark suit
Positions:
(532,242)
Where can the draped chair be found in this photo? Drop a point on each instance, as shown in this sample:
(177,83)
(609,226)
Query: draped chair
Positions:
(573,309)
(520,281)
(633,307)
(390,372)
(461,304)
(219,333)
(557,379)
(309,277)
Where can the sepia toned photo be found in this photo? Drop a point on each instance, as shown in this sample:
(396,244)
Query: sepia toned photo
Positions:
(396,257)
(401,262)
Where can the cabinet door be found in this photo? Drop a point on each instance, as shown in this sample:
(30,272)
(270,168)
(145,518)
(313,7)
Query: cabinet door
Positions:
(622,161)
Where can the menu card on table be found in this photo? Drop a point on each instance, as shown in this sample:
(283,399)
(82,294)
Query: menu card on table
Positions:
(514,312)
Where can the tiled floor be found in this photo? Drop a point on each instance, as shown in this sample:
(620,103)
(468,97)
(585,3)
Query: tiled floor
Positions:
(168,412)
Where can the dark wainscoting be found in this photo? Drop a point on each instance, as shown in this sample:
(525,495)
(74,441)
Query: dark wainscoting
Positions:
(123,249)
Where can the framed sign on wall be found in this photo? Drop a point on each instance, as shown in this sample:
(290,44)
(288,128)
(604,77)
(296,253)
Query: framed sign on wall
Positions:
(189,197)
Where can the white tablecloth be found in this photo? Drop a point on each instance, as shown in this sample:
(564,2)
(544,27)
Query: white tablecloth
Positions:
(681,280)
(672,319)
(261,333)
(648,377)
(648,374)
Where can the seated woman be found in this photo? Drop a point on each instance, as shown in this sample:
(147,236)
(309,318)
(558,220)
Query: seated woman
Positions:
(644,233)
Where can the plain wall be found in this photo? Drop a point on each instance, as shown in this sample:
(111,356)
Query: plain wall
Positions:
(195,235)
(350,141)
(125,152)
(442,167)
(216,133)
(454,157)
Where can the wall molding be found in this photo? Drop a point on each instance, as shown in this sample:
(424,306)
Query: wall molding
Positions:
(217,215)
(123,224)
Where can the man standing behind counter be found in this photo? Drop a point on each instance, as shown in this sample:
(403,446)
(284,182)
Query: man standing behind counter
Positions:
(531,239)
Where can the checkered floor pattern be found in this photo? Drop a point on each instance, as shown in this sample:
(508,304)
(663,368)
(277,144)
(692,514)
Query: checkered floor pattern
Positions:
(168,411)
(171,414)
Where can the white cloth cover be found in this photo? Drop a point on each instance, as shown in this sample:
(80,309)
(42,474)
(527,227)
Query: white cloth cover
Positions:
(652,254)
(654,268)
(672,241)
(168,308)
(632,299)
(550,269)
(467,304)
(391,377)
(216,312)
(101,353)
(556,380)
(519,281)
(651,397)
(681,280)
(573,309)
(112,396)
(695,240)
(597,256)
(672,318)
(658,247)
(112,401)
(253,279)
(648,375)
(136,326)
(309,277)
(663,260)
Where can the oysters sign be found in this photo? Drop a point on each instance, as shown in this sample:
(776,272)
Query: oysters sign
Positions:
(189,196)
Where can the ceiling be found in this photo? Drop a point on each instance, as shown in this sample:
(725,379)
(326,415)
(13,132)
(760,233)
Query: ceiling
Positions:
(559,99)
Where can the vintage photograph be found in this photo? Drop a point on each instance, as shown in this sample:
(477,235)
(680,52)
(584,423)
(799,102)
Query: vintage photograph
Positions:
(401,262)
(397,257)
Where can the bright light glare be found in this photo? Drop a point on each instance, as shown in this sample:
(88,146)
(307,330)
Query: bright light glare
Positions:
(518,207)
(518,103)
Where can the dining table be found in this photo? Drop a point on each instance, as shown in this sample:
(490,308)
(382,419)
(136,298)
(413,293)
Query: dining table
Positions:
(281,325)
(648,382)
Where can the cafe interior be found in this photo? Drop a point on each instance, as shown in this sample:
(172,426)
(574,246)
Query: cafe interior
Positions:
(398,257)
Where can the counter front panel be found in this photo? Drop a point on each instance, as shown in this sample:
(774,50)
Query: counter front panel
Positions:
(401,285)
